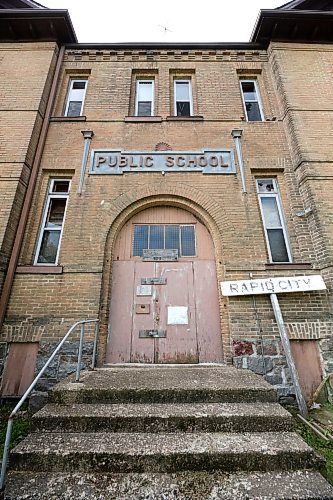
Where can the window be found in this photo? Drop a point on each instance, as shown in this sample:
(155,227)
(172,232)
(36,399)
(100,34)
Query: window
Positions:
(164,237)
(53,222)
(183,98)
(75,97)
(274,225)
(144,100)
(251,101)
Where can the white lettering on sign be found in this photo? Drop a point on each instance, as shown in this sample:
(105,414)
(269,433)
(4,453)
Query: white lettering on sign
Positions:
(273,285)
(207,161)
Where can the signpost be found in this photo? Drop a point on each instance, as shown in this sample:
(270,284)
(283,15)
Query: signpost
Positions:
(272,287)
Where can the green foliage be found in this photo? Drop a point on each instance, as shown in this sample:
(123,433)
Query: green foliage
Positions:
(324,448)
(21,427)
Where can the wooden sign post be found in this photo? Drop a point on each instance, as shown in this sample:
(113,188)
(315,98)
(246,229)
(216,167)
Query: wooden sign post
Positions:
(271,287)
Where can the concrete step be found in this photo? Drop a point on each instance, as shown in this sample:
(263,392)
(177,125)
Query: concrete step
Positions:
(163,417)
(300,485)
(161,452)
(173,384)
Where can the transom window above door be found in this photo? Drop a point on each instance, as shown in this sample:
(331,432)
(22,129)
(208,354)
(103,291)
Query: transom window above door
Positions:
(179,237)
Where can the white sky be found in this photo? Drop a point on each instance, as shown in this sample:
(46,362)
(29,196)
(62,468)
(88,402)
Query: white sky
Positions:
(112,21)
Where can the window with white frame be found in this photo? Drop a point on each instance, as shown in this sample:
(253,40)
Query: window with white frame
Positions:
(75,97)
(273,219)
(183,98)
(144,98)
(251,101)
(48,246)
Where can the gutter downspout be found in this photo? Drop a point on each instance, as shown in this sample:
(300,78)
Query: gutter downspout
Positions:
(8,283)
(237,134)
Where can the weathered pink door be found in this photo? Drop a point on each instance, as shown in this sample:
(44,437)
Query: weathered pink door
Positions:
(168,311)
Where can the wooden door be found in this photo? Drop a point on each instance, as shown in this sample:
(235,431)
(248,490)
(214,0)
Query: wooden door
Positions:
(176,318)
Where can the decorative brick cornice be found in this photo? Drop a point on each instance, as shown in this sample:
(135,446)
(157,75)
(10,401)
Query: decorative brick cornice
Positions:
(130,55)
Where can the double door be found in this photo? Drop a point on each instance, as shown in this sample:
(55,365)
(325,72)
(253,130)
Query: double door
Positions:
(164,311)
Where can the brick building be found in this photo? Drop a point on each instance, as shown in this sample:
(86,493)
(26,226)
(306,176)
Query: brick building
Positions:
(189,163)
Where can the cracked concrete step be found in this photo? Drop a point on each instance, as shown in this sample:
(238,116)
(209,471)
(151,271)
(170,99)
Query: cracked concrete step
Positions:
(172,384)
(186,417)
(160,452)
(300,485)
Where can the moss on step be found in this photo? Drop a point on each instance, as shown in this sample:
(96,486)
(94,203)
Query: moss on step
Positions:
(21,427)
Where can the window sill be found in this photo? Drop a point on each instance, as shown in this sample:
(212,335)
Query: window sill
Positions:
(68,118)
(39,269)
(184,118)
(275,266)
(136,119)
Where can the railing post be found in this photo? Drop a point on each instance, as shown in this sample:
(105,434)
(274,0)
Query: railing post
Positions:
(93,361)
(34,383)
(6,453)
(79,358)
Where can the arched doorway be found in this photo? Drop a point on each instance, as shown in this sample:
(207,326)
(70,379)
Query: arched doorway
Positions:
(164,311)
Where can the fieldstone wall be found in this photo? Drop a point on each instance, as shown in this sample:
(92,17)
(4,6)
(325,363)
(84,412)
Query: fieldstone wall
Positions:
(326,348)
(3,354)
(265,357)
(64,363)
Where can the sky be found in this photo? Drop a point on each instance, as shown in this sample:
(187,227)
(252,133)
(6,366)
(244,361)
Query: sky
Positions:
(113,21)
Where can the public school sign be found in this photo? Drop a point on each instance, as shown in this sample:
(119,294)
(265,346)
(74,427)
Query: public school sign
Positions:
(207,161)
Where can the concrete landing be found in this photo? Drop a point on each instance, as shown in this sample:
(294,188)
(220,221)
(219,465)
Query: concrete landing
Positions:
(202,383)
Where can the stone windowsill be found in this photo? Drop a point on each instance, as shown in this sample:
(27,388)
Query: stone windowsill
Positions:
(68,118)
(274,266)
(39,269)
(184,118)
(139,119)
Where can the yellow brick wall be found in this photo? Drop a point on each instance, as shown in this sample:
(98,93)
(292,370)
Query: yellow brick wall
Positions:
(303,79)
(272,148)
(26,71)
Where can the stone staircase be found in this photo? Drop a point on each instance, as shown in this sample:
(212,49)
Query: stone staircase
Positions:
(164,432)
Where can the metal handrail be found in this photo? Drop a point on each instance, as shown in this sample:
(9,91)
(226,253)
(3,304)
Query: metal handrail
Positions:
(33,384)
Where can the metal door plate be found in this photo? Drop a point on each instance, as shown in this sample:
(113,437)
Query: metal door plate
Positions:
(142,308)
(153,281)
(152,334)
(160,255)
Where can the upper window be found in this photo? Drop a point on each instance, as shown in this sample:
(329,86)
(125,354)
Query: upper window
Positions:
(183,98)
(75,97)
(251,101)
(144,98)
(53,222)
(165,237)
(273,219)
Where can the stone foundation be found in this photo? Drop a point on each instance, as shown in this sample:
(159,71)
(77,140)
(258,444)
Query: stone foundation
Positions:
(326,348)
(265,357)
(64,363)
(3,354)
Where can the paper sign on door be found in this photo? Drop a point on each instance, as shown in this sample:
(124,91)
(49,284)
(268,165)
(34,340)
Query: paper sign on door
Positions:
(177,315)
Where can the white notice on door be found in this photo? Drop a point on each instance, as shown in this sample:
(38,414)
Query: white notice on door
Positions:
(177,315)
(144,290)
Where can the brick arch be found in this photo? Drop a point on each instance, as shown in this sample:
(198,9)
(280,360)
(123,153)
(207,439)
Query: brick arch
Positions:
(123,208)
